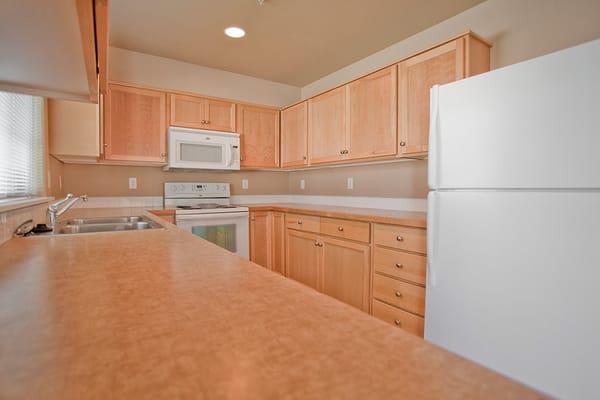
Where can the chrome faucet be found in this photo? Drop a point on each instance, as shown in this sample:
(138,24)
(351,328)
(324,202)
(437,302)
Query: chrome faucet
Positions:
(55,210)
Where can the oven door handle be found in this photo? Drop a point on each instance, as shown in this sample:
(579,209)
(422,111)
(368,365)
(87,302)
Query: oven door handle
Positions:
(200,217)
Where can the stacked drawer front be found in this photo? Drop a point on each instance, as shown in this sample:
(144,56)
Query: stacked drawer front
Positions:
(399,264)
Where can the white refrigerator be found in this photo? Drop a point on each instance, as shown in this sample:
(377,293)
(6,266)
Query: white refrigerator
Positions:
(514,221)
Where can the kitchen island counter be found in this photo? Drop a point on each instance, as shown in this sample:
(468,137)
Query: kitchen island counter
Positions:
(163,314)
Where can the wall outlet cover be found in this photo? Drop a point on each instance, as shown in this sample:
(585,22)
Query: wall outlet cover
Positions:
(350,184)
(244,183)
(133,183)
(302,184)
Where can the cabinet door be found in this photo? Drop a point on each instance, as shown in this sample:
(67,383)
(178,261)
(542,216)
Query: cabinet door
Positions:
(136,126)
(260,238)
(327,126)
(278,242)
(417,75)
(372,109)
(73,130)
(220,115)
(259,136)
(303,258)
(294,135)
(188,111)
(346,271)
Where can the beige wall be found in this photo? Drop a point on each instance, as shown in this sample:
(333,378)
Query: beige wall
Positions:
(109,180)
(160,72)
(406,179)
(519,30)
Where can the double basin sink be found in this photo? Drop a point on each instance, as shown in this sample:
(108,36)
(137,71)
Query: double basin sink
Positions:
(105,224)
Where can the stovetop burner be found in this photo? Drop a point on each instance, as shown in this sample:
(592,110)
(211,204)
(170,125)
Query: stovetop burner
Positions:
(205,206)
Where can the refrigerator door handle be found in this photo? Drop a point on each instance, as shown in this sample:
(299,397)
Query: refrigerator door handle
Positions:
(433,137)
(432,223)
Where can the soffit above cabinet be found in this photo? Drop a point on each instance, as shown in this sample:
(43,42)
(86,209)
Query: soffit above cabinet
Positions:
(292,42)
(41,49)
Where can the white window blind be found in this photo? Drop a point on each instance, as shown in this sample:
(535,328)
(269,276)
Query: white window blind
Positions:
(21,145)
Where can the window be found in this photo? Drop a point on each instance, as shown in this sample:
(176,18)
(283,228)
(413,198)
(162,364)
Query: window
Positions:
(21,145)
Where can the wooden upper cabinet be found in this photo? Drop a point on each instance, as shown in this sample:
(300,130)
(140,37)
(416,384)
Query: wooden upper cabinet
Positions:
(294,136)
(327,126)
(452,61)
(372,109)
(346,272)
(136,124)
(259,136)
(202,113)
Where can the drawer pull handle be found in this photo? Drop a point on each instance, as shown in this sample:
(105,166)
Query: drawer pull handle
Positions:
(400,266)
(398,294)
(398,322)
(317,244)
(341,228)
(399,238)
(299,222)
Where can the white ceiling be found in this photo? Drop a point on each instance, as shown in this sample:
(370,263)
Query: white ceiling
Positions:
(290,41)
(41,50)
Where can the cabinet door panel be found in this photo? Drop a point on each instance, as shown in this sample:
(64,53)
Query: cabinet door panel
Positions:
(260,238)
(418,74)
(259,136)
(303,258)
(220,115)
(135,124)
(294,132)
(327,126)
(372,108)
(346,272)
(278,242)
(188,111)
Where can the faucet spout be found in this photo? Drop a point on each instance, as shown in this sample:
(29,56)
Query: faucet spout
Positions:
(57,209)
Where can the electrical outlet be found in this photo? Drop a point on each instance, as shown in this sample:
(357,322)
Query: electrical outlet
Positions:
(302,184)
(350,184)
(133,183)
(244,184)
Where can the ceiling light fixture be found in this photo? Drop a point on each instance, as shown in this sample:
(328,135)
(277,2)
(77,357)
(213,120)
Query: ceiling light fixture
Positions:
(235,32)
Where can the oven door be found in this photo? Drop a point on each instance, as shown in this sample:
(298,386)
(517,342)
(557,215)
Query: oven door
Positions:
(227,230)
(202,151)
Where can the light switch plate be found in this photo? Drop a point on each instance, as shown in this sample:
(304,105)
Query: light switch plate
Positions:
(302,184)
(350,184)
(133,183)
(244,183)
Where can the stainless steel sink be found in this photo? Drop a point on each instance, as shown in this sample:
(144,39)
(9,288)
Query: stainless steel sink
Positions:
(107,224)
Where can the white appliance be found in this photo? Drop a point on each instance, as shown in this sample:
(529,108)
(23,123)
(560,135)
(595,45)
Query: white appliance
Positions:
(205,210)
(203,149)
(514,221)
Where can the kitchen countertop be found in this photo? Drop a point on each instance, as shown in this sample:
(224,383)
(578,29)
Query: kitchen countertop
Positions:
(163,314)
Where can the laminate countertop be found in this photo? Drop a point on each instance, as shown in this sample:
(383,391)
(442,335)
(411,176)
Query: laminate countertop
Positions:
(163,314)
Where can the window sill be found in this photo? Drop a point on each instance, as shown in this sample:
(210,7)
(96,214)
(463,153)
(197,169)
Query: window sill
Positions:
(22,202)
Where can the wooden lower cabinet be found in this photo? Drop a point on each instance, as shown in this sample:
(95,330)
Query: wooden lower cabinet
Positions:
(267,239)
(346,272)
(396,316)
(303,258)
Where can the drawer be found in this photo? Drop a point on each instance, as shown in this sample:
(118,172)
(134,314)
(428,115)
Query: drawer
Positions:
(400,318)
(401,237)
(345,229)
(308,223)
(400,294)
(399,264)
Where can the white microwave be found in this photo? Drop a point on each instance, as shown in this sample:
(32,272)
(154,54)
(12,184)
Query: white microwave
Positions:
(203,149)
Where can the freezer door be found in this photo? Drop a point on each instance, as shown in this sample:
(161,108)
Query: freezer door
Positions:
(513,284)
(535,124)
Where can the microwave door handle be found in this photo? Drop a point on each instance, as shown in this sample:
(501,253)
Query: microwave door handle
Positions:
(228,155)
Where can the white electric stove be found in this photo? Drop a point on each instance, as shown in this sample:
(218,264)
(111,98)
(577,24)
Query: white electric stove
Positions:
(206,211)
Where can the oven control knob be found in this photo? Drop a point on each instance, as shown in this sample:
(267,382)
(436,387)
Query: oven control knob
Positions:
(182,188)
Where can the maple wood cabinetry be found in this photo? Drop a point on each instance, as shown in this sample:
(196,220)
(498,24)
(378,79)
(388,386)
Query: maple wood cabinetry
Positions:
(259,136)
(202,113)
(304,258)
(267,241)
(135,124)
(294,136)
(455,60)
(327,127)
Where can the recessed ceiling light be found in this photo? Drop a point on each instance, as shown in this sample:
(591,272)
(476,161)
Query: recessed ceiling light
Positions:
(235,32)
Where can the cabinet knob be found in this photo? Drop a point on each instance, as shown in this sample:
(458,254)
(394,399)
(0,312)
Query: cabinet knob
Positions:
(341,151)
(398,322)
(400,266)
(398,294)
(252,219)
(400,238)
(320,244)
(341,228)
(304,157)
(317,244)
(207,122)
(299,222)
(105,144)
(402,144)
(163,155)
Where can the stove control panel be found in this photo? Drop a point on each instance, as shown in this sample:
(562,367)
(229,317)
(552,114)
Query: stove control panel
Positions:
(196,189)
